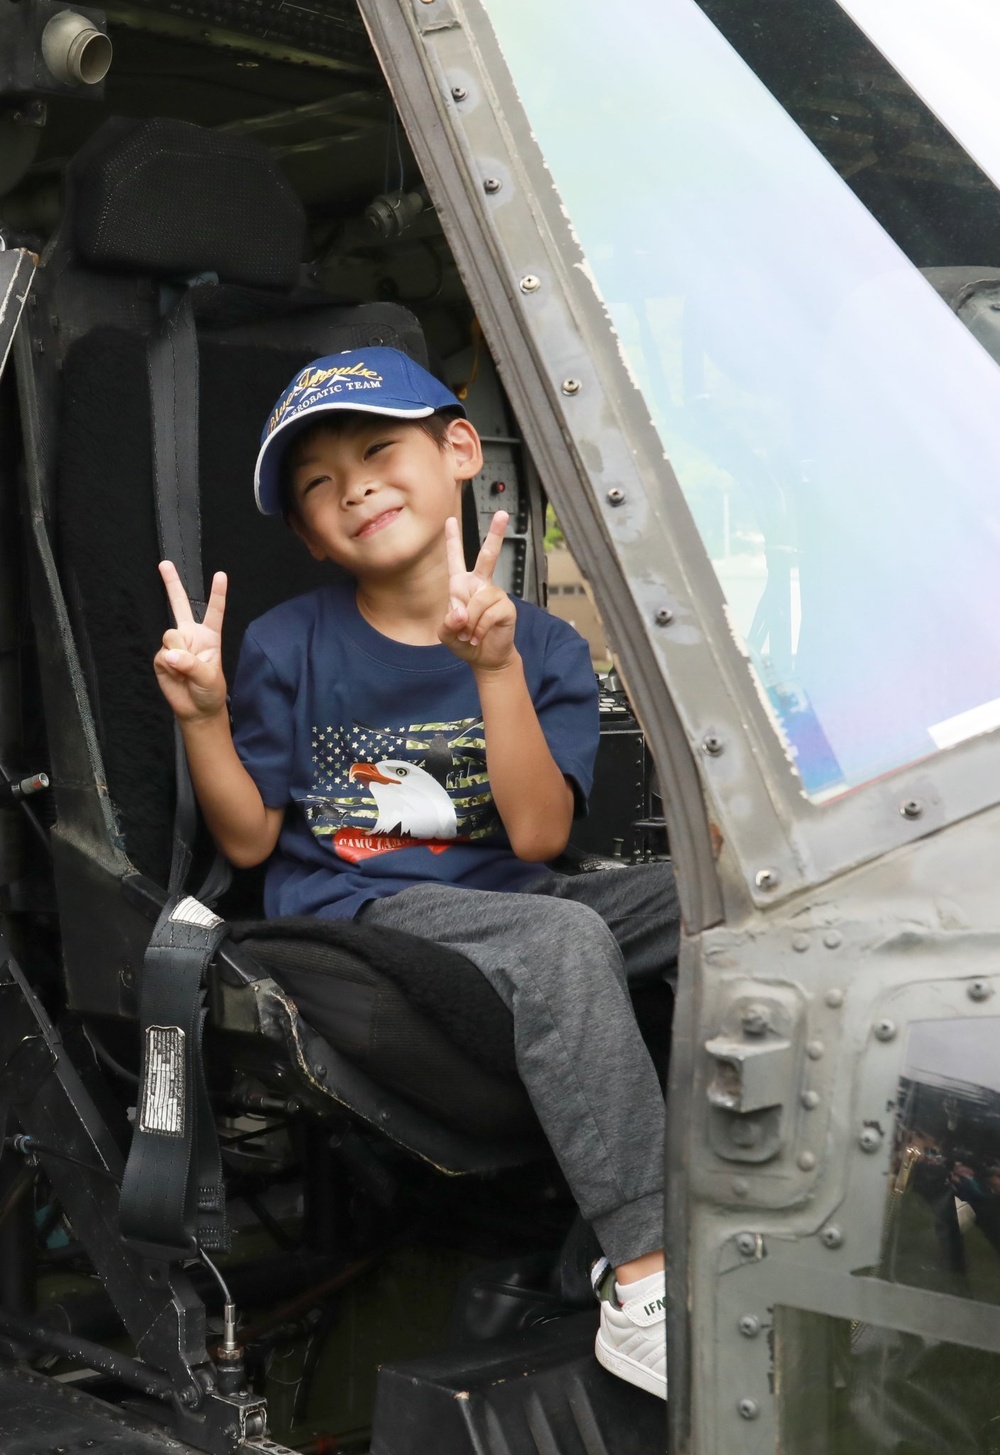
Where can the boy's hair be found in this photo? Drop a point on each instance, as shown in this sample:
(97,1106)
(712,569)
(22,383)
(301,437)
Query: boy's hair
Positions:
(347,422)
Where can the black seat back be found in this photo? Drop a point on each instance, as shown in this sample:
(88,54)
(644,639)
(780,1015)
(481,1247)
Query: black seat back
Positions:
(164,201)
(100,606)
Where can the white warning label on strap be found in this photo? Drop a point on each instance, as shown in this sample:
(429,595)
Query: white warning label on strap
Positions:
(163,1092)
(190,911)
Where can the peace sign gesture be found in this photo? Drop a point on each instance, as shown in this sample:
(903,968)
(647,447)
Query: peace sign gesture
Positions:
(189,664)
(479,626)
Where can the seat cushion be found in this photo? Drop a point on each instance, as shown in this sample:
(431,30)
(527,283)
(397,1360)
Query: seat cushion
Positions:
(418,1017)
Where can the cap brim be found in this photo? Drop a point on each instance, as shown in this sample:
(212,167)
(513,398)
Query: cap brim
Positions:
(267,470)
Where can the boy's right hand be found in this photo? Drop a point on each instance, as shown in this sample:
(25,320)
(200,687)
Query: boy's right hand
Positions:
(189,664)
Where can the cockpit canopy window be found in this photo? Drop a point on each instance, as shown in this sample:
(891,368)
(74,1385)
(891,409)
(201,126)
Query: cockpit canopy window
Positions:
(756,197)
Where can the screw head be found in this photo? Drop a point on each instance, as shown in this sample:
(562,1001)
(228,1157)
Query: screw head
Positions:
(615,496)
(664,616)
(834,997)
(814,1050)
(831,1236)
(979,990)
(530,284)
(458,93)
(712,744)
(748,1409)
(573,386)
(810,1100)
(755,1020)
(832,939)
(911,808)
(490,184)
(870,1139)
(767,879)
(884,1030)
(749,1326)
(746,1244)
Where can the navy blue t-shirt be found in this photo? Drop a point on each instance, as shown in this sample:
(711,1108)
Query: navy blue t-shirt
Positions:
(376,749)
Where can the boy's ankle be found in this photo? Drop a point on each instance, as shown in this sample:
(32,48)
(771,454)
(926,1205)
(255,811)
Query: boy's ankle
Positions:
(638,1268)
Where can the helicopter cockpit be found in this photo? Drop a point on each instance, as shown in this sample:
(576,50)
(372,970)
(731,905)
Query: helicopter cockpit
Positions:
(723,289)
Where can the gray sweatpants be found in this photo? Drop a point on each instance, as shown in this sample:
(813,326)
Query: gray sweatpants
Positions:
(559,956)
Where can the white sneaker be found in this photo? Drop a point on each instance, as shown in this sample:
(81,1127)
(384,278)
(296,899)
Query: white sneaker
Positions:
(631,1341)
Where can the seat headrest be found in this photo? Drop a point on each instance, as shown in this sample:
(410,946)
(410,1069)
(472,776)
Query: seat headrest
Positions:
(171,199)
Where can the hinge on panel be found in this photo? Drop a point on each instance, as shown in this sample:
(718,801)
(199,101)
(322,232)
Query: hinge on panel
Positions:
(753,1080)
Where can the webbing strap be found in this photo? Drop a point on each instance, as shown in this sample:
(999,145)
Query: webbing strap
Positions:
(172,369)
(172,1197)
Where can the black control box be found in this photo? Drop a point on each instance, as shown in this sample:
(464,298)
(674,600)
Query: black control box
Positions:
(625,817)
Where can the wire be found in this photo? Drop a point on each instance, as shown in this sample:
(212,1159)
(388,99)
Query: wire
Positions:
(106,1057)
(250,1136)
(227,1298)
(29,1147)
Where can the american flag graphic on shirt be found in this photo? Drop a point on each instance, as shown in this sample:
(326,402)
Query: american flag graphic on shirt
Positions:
(377,789)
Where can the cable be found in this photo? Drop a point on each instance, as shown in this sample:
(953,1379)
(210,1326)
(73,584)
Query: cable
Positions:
(106,1057)
(29,1147)
(226,1295)
(230,1354)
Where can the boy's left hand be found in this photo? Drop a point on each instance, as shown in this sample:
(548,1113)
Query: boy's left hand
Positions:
(479,626)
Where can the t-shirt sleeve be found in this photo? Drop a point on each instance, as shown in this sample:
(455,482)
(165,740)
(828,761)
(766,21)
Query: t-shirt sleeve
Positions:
(261,707)
(566,704)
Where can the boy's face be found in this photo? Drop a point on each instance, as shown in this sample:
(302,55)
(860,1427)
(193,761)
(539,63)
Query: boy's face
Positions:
(375,500)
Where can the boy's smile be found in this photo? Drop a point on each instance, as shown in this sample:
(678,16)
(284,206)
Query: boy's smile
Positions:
(375,498)
(380,521)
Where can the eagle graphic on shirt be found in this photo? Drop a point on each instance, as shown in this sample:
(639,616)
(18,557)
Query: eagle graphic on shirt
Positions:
(379,789)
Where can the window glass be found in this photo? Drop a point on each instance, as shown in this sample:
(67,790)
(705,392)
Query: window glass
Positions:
(752,225)
(941,1229)
(851,1388)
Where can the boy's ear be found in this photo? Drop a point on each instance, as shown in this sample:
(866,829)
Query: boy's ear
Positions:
(466,448)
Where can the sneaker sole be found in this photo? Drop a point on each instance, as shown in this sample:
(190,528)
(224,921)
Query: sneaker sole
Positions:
(630,1369)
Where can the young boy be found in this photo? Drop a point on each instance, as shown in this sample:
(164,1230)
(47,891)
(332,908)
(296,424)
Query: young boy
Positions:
(409,747)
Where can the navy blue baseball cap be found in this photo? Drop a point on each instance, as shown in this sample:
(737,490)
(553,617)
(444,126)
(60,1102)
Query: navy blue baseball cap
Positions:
(369,381)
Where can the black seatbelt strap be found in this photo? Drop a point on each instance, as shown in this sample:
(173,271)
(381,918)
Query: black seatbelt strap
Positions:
(172,1198)
(172,368)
